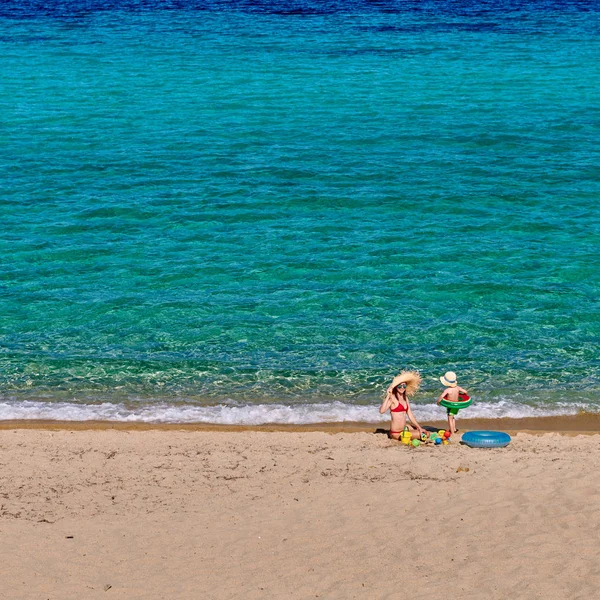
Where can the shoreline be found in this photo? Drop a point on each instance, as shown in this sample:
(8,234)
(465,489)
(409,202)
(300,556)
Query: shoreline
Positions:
(584,423)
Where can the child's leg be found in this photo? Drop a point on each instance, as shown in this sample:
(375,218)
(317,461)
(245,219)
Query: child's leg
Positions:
(452,424)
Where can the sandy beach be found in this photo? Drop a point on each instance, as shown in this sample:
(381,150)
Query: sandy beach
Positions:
(169,513)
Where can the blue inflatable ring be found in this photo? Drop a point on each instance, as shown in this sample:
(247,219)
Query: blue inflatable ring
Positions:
(486,439)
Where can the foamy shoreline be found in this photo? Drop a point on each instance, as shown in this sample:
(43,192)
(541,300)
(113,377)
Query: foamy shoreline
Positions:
(318,414)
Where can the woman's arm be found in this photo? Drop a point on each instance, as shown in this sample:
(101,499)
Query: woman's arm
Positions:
(386,403)
(411,416)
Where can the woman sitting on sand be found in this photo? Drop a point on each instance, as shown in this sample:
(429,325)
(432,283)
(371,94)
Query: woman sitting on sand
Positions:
(396,400)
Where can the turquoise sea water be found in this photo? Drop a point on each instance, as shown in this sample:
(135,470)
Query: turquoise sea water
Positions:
(261,212)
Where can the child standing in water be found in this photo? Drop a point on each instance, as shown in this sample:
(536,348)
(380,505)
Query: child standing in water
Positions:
(452,393)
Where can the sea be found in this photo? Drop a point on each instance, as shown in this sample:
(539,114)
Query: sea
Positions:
(260,211)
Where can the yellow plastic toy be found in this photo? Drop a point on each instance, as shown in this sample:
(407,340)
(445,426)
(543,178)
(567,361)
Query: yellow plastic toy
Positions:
(406,436)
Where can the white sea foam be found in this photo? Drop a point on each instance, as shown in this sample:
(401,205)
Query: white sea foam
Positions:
(257,414)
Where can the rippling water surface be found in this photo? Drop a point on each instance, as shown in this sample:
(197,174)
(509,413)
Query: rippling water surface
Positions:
(247,212)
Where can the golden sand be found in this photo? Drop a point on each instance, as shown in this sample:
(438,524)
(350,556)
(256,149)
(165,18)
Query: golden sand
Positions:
(172,512)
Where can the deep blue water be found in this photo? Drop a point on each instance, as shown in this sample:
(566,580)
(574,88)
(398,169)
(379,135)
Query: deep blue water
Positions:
(208,206)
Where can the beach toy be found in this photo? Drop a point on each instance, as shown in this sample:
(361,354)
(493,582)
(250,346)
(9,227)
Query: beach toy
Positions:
(454,407)
(445,442)
(423,436)
(447,435)
(438,441)
(441,432)
(433,436)
(405,436)
(486,439)
(416,443)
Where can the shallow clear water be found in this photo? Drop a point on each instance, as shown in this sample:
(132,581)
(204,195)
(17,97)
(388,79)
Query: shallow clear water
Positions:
(221,211)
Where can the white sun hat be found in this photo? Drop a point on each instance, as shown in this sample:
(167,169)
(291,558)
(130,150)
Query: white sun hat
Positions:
(449,379)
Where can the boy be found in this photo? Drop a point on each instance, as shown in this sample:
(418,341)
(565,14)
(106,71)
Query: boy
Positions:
(452,393)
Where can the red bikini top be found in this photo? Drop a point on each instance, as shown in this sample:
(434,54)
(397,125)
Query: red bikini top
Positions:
(399,408)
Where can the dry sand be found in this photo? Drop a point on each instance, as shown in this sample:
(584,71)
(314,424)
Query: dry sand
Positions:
(180,515)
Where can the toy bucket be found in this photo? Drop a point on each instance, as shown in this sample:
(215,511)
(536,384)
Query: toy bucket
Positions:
(406,437)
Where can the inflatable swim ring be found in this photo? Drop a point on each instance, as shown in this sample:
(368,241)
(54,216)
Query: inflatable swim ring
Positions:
(454,407)
(486,439)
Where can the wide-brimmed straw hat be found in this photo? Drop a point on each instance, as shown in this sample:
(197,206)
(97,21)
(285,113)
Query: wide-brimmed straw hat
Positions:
(412,380)
(449,379)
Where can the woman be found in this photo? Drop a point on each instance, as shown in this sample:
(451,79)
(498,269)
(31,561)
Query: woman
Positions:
(396,401)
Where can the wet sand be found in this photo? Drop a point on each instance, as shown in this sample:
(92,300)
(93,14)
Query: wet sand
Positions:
(581,423)
(113,511)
